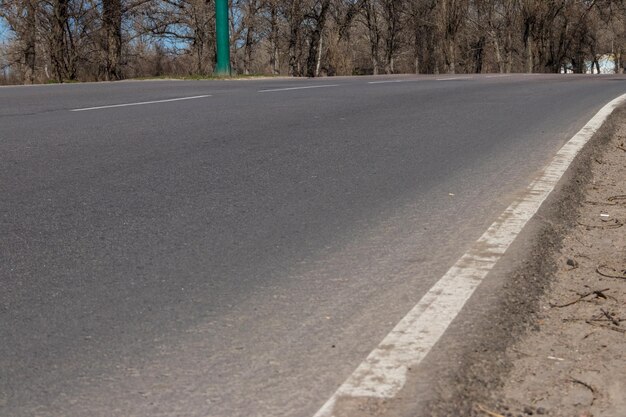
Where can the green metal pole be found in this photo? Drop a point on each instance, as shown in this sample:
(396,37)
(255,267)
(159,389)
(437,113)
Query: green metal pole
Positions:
(222,29)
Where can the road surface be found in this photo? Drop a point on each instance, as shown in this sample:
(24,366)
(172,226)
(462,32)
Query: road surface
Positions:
(237,248)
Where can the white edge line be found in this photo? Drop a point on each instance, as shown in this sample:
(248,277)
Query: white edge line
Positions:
(299,88)
(141,103)
(383,373)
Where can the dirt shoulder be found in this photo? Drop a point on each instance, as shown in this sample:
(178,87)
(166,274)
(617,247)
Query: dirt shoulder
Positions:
(571,360)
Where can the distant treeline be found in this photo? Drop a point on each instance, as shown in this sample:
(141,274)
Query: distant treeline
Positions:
(85,40)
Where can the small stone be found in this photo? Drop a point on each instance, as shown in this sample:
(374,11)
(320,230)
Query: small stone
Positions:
(541,410)
(572,263)
(528,411)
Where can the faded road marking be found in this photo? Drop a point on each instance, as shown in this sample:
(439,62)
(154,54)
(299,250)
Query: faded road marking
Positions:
(454,79)
(299,88)
(141,103)
(387,81)
(383,373)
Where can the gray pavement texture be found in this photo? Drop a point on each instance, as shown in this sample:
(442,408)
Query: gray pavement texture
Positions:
(240,254)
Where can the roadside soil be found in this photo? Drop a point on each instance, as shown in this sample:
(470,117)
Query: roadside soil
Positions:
(571,361)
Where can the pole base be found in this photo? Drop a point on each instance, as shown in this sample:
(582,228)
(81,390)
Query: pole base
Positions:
(224,73)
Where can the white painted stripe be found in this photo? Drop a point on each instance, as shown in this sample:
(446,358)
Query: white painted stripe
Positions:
(299,88)
(383,373)
(498,76)
(395,81)
(454,78)
(387,81)
(140,103)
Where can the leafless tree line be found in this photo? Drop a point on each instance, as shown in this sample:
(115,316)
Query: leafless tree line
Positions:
(66,40)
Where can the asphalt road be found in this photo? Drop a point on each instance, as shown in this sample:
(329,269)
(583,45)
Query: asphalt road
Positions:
(239,253)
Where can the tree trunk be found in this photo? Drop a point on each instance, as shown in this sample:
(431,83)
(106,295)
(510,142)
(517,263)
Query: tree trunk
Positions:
(316,37)
(294,39)
(579,63)
(392,33)
(319,57)
(250,25)
(374,53)
(529,54)
(451,56)
(496,48)
(295,20)
(529,25)
(274,36)
(247,52)
(373,33)
(416,50)
(479,54)
(435,53)
(112,22)
(509,53)
(199,50)
(30,39)
(58,50)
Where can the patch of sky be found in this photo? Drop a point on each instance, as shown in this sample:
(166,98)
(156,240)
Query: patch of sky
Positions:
(4,31)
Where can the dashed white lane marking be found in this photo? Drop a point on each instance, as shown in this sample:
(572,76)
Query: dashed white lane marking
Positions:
(395,81)
(387,81)
(383,373)
(499,76)
(453,78)
(141,103)
(299,88)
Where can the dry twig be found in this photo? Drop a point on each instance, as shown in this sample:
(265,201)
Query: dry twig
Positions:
(483,409)
(615,225)
(597,293)
(606,316)
(615,329)
(600,203)
(617,198)
(610,317)
(611,274)
(611,201)
(589,387)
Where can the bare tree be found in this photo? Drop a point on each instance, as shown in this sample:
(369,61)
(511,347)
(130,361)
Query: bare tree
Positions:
(112,39)
(21,17)
(451,14)
(112,25)
(317,18)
